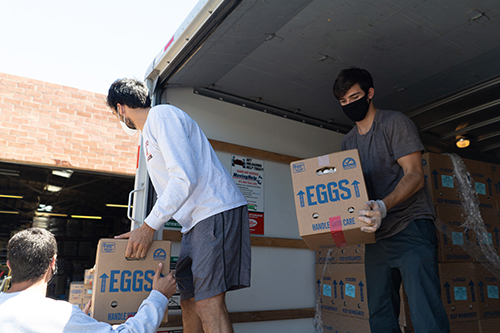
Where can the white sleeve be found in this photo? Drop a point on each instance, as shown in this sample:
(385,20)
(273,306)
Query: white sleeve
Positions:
(173,138)
(147,319)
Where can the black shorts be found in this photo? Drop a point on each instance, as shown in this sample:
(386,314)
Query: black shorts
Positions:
(215,256)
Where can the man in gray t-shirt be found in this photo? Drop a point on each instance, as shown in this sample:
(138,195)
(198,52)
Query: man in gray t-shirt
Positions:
(400,211)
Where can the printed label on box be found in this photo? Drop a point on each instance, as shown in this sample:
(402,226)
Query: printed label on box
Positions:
(108,247)
(481,188)
(460,293)
(349,163)
(299,167)
(350,290)
(492,292)
(159,255)
(327,290)
(458,238)
(447,181)
(487,238)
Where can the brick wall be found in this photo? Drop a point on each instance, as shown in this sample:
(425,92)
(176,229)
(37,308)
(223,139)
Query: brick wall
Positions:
(48,124)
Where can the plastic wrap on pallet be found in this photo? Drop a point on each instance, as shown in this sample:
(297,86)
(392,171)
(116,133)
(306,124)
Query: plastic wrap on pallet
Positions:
(473,219)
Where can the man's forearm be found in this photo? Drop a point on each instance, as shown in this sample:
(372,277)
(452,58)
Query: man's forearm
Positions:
(407,186)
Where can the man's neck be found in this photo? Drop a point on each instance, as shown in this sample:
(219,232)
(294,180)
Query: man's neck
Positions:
(38,287)
(365,124)
(139,117)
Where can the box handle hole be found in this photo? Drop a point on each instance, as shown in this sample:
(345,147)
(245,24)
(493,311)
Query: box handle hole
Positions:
(326,170)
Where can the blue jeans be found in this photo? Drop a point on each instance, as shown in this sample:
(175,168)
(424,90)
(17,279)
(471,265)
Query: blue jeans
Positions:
(409,256)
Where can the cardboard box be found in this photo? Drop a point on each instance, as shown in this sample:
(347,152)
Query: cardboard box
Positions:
(87,294)
(120,285)
(351,254)
(454,241)
(489,326)
(491,219)
(324,259)
(439,171)
(464,327)
(495,173)
(89,276)
(343,324)
(488,292)
(329,191)
(483,178)
(76,292)
(327,256)
(76,289)
(343,290)
(79,294)
(458,291)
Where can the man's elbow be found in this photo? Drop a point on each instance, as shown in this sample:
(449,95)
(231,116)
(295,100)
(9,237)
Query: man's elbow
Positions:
(421,181)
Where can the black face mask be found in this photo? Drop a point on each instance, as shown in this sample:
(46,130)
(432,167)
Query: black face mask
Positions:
(54,273)
(357,110)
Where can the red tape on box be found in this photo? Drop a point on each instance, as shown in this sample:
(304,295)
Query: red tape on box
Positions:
(337,232)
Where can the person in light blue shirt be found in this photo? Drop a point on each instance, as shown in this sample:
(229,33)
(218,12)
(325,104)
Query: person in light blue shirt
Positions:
(31,257)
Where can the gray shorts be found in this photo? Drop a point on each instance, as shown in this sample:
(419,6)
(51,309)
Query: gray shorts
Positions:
(215,256)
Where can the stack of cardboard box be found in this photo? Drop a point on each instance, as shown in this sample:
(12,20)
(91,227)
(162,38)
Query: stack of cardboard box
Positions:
(469,290)
(80,293)
(330,190)
(341,289)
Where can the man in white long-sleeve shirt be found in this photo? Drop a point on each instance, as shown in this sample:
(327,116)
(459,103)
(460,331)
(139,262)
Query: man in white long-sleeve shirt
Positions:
(196,190)
(31,257)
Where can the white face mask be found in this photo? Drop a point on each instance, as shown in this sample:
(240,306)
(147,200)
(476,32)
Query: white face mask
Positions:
(128,130)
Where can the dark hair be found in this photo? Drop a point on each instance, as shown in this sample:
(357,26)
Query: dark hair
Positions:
(130,92)
(30,253)
(349,77)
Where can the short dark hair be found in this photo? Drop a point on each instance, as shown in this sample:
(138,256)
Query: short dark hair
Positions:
(30,253)
(348,77)
(130,92)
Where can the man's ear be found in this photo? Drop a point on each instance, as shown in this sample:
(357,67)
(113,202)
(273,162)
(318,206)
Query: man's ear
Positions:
(53,262)
(8,264)
(371,93)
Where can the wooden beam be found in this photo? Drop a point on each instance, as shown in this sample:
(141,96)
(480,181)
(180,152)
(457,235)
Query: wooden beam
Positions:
(278,242)
(175,236)
(172,235)
(252,152)
(246,317)
(253,316)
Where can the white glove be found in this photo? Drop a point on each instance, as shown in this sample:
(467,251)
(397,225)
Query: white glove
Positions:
(373,217)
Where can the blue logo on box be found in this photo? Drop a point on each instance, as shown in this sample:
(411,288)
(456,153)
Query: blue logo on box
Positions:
(299,167)
(349,163)
(108,247)
(160,255)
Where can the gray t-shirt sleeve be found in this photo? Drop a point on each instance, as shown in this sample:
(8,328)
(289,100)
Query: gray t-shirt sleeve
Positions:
(403,137)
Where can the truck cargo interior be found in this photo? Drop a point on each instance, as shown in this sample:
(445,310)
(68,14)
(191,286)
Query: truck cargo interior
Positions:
(436,62)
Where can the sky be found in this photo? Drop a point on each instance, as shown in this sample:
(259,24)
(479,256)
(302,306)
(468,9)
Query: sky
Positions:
(86,44)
